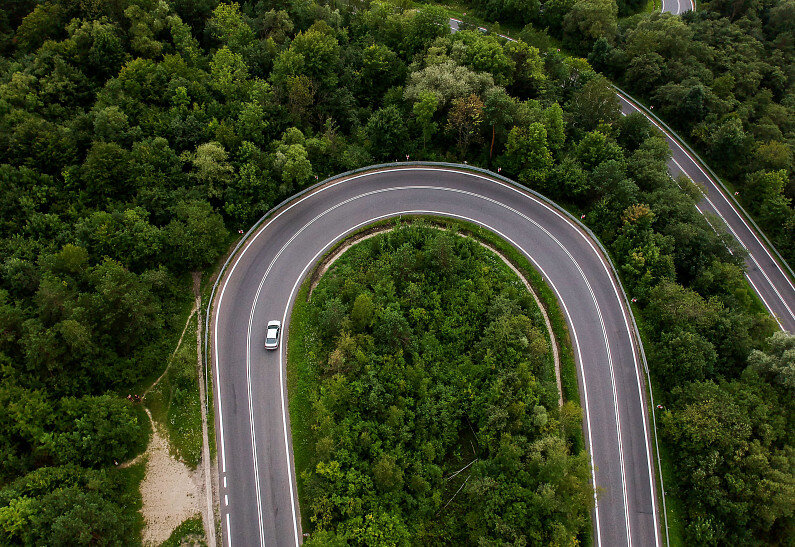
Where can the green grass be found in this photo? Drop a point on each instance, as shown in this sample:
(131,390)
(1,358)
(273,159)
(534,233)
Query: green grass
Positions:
(651,6)
(674,507)
(127,483)
(301,379)
(175,403)
(190,532)
(205,291)
(177,309)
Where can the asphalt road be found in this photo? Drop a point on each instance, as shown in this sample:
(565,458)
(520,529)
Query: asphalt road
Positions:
(765,274)
(677,7)
(258,502)
(257,487)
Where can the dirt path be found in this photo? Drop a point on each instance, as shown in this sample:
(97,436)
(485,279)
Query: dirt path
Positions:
(173,353)
(171,492)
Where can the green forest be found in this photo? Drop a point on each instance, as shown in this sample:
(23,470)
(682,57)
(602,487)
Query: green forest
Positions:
(723,76)
(137,135)
(434,410)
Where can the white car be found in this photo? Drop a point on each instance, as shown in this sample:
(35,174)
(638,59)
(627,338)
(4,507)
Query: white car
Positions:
(272,335)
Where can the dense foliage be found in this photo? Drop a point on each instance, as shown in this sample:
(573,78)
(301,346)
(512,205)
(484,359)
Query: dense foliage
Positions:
(746,476)
(435,414)
(136,134)
(723,76)
(70,505)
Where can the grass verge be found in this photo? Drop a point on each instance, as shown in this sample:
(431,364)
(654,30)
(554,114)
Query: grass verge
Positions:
(665,467)
(175,404)
(207,362)
(301,377)
(126,481)
(177,304)
(190,532)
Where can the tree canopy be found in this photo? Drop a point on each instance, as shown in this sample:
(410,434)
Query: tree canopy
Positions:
(137,135)
(434,413)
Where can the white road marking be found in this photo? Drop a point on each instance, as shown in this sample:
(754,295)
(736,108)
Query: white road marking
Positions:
(228,532)
(717,213)
(474,175)
(750,255)
(529,257)
(598,309)
(748,277)
(717,187)
(218,381)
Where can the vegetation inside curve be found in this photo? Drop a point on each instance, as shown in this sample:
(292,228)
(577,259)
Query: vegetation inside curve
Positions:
(428,410)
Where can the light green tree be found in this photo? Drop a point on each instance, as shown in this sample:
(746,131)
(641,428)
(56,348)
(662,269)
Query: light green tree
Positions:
(228,73)
(424,109)
(529,154)
(228,25)
(589,20)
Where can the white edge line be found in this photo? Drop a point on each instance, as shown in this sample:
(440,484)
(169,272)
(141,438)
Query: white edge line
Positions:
(750,255)
(641,399)
(593,296)
(717,213)
(265,225)
(748,277)
(228,532)
(218,382)
(717,187)
(529,257)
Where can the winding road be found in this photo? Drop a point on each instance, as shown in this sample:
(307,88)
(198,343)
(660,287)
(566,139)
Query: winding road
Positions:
(258,501)
(677,7)
(764,271)
(257,484)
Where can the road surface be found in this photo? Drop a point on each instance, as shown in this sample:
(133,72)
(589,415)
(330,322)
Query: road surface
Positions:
(677,7)
(258,501)
(764,272)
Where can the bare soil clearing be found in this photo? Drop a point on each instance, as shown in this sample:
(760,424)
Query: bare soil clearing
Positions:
(170,492)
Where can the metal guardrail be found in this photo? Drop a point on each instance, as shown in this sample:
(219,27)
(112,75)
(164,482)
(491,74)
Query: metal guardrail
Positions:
(462,167)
